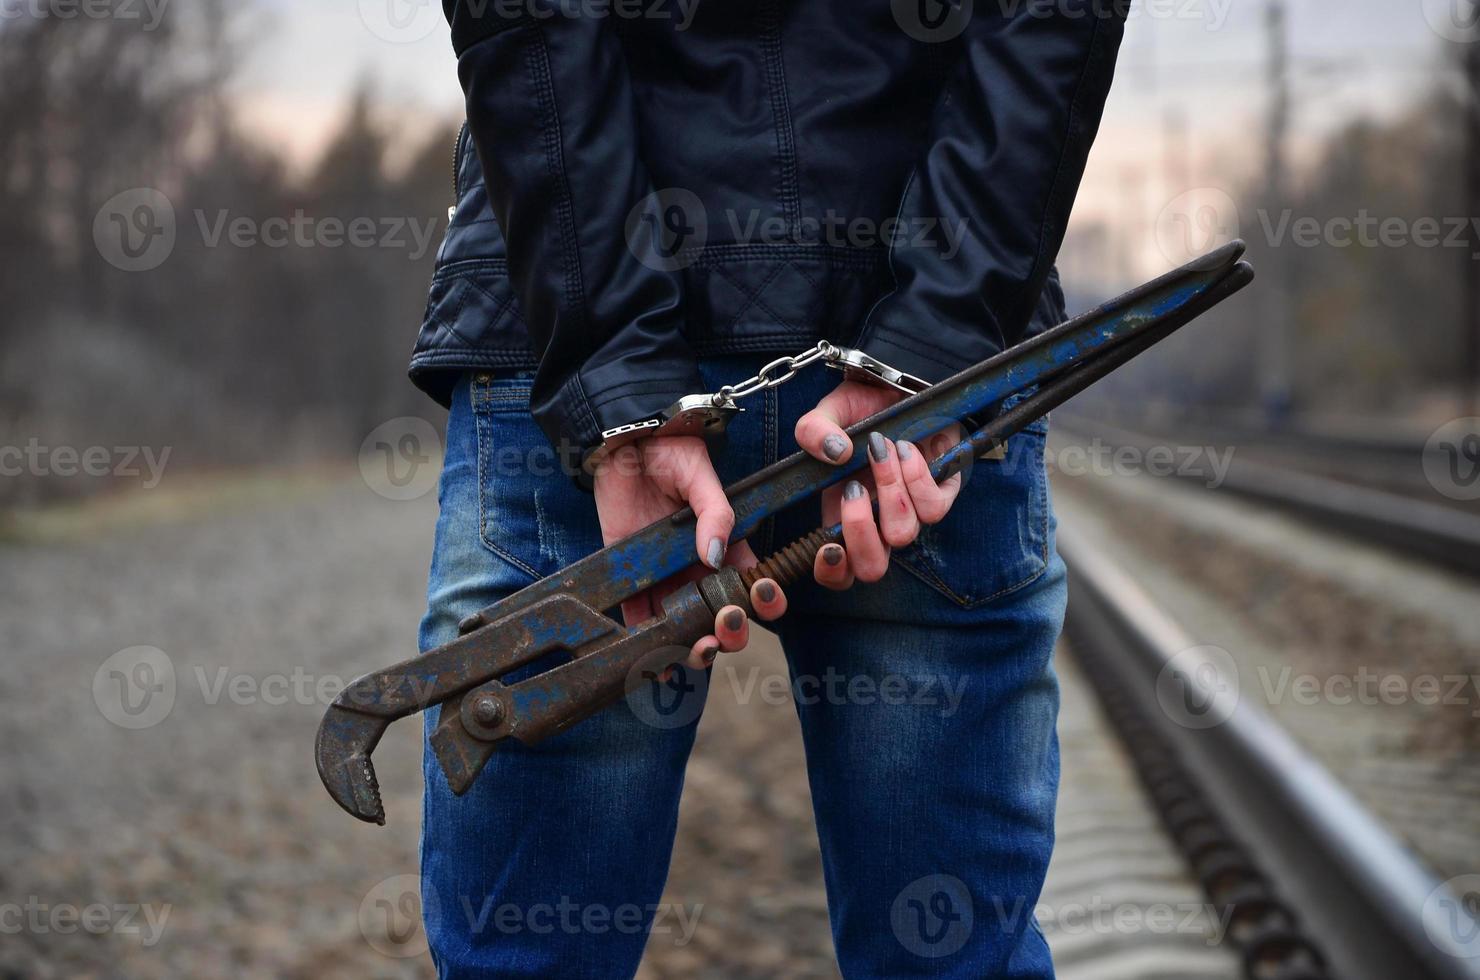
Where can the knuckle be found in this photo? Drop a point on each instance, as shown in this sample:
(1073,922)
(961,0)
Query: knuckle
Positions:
(899,534)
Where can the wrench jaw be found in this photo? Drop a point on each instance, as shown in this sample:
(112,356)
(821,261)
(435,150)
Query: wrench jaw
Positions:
(342,753)
(357,719)
(600,672)
(462,757)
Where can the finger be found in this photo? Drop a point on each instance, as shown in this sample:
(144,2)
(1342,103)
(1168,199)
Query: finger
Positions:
(619,468)
(832,500)
(820,431)
(940,443)
(897,521)
(732,628)
(831,569)
(768,600)
(741,556)
(832,506)
(932,500)
(701,657)
(867,552)
(697,482)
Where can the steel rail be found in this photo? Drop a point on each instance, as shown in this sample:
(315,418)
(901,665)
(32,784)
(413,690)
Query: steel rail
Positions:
(1437,534)
(1359,892)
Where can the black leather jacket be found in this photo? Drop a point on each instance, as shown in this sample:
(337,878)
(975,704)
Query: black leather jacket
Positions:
(652,181)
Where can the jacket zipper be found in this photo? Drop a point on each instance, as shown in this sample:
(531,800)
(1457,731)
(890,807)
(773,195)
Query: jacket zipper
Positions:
(456,168)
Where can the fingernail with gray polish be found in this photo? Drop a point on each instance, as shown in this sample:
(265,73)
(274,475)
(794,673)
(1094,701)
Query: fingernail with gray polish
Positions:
(905,450)
(708,655)
(766,591)
(853,490)
(832,555)
(834,446)
(734,619)
(878,448)
(716,553)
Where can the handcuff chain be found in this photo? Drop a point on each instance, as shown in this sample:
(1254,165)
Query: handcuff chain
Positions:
(707,415)
(768,376)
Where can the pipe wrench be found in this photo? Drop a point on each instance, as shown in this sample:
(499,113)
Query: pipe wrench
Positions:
(564,612)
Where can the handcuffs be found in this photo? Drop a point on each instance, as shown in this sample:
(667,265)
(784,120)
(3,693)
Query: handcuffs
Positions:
(709,414)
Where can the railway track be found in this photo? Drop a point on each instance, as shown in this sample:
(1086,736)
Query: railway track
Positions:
(1307,881)
(86,821)
(1447,536)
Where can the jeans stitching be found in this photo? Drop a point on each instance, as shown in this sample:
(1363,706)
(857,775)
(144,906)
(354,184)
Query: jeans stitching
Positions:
(927,574)
(484,439)
(770,452)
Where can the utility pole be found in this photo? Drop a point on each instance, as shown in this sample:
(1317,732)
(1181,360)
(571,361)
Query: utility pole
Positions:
(1274,364)
(1176,171)
(1470,316)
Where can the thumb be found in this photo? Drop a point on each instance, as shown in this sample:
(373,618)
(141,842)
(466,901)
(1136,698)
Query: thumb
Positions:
(694,480)
(715,518)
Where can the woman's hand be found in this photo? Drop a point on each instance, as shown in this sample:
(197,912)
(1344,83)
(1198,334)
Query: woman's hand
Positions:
(649,480)
(899,476)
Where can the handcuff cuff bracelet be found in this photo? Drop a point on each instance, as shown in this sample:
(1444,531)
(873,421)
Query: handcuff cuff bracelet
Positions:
(709,414)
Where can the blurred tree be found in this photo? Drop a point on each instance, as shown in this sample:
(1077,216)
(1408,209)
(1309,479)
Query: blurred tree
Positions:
(1366,237)
(289,342)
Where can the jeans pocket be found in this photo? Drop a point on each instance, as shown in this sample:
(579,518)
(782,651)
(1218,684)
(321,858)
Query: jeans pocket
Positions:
(996,538)
(530,513)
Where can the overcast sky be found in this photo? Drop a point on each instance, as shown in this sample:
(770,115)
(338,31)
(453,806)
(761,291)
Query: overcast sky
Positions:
(1206,54)
(1201,60)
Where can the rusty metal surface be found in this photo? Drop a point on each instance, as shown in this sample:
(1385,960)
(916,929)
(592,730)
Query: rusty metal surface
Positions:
(562,612)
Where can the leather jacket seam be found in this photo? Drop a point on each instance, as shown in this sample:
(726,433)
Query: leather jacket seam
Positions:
(788,191)
(919,345)
(645,386)
(582,417)
(1075,111)
(553,136)
(863,259)
(867,333)
(752,296)
(468,268)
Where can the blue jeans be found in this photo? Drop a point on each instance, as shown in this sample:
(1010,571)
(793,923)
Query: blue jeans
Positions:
(927,701)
